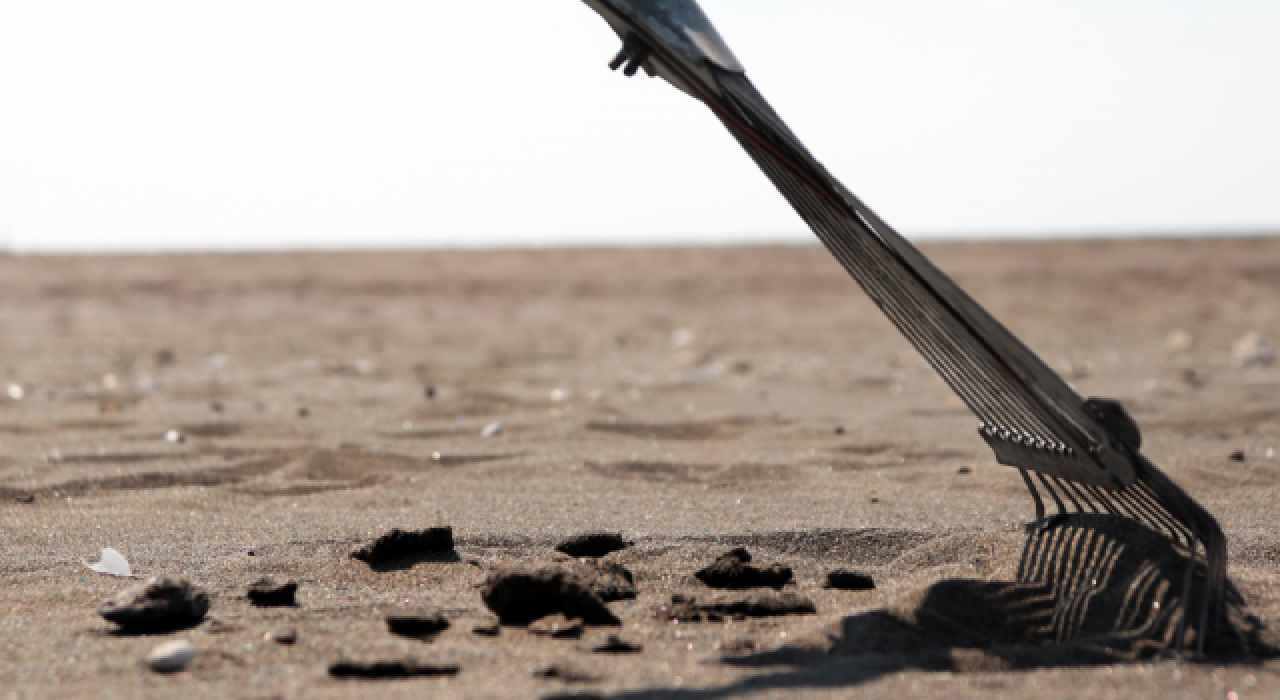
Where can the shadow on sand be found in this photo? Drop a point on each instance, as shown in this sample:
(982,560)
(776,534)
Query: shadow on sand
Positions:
(1093,589)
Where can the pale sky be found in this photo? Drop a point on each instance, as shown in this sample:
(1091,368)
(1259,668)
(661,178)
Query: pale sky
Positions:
(274,124)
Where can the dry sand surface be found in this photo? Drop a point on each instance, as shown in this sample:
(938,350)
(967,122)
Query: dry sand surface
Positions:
(694,400)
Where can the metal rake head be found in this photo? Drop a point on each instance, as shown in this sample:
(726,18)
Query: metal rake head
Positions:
(1084,453)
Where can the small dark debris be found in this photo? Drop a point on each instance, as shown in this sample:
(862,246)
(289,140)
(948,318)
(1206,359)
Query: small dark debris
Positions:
(520,596)
(165,357)
(399,543)
(1237,456)
(964,470)
(607,579)
(159,604)
(595,544)
(738,646)
(252,553)
(875,500)
(557,626)
(266,593)
(216,407)
(1195,379)
(29,498)
(220,627)
(760,604)
(285,637)
(732,571)
(613,644)
(430,392)
(389,669)
(490,629)
(839,430)
(565,673)
(304,412)
(412,625)
(846,580)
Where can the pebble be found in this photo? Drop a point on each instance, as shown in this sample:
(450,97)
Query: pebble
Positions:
(266,593)
(491,430)
(595,544)
(520,596)
(846,580)
(157,604)
(283,636)
(15,392)
(171,656)
(175,437)
(732,570)
(398,544)
(1252,350)
(408,624)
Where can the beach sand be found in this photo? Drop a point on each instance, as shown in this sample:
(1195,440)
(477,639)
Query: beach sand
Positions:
(694,400)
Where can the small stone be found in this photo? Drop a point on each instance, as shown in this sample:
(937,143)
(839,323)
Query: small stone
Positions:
(164,357)
(1237,456)
(595,544)
(16,392)
(408,624)
(964,470)
(158,604)
(174,437)
(522,595)
(285,637)
(557,626)
(559,394)
(846,580)
(491,430)
(613,644)
(216,407)
(1253,350)
(398,544)
(266,593)
(28,498)
(839,430)
(732,570)
(304,412)
(430,392)
(389,669)
(171,656)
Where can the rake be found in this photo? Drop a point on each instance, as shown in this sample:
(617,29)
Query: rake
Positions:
(1083,453)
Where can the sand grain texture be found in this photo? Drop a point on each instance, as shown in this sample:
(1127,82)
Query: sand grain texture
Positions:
(695,400)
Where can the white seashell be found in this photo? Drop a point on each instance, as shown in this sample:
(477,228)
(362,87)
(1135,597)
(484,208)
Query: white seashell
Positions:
(171,656)
(1253,350)
(112,563)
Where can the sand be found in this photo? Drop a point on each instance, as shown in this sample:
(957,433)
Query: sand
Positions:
(694,400)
